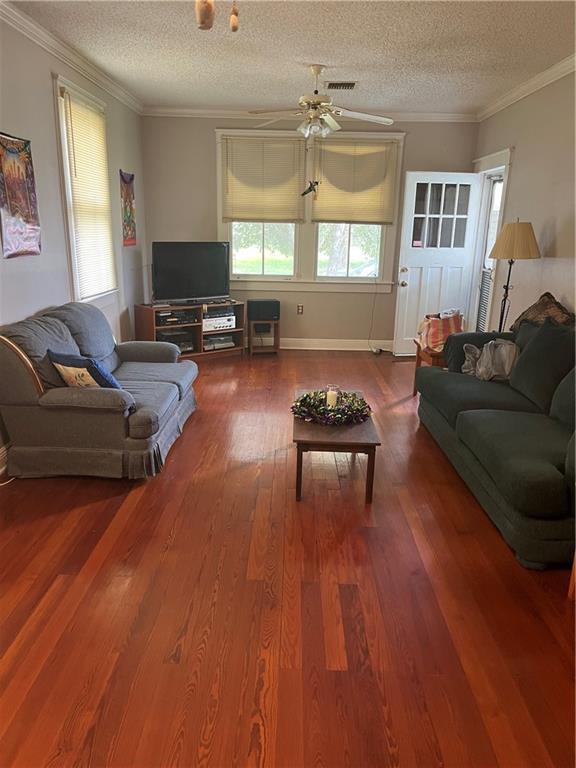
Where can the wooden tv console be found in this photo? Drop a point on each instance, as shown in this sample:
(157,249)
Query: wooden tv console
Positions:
(182,324)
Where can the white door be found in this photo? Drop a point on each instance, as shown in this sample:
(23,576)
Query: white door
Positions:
(436,262)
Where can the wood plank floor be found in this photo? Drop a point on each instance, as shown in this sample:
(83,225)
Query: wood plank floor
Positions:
(205,618)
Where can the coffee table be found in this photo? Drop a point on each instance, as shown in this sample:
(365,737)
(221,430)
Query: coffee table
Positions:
(350,438)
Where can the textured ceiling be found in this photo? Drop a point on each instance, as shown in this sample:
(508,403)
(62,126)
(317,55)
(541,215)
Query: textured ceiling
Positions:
(407,56)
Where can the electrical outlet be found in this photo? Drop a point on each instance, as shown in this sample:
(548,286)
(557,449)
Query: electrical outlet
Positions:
(299,309)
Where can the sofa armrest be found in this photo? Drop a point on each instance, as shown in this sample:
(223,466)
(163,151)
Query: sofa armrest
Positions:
(89,398)
(454,346)
(147,352)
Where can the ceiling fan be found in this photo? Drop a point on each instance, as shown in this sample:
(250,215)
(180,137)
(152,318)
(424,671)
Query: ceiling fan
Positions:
(318,111)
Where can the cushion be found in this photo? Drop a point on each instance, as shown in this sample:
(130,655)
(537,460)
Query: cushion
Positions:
(546,308)
(451,393)
(182,374)
(35,336)
(562,406)
(524,454)
(544,362)
(526,333)
(155,403)
(78,371)
(91,331)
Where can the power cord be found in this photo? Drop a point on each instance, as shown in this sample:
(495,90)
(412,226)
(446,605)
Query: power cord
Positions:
(374,350)
(7,482)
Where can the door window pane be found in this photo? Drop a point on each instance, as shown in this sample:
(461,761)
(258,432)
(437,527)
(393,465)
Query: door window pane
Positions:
(421,198)
(435,198)
(432,232)
(463,199)
(446,232)
(418,232)
(460,233)
(449,199)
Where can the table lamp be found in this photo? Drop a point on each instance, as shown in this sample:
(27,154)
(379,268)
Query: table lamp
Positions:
(515,241)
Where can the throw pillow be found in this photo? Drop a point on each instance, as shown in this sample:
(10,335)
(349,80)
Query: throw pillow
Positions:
(77,371)
(543,363)
(546,308)
(526,332)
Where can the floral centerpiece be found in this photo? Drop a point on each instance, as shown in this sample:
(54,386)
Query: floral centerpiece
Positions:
(350,408)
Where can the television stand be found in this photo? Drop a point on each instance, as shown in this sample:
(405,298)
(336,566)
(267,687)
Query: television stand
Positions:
(199,329)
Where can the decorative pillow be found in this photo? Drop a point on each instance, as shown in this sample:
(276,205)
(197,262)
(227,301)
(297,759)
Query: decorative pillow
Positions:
(77,371)
(543,363)
(546,308)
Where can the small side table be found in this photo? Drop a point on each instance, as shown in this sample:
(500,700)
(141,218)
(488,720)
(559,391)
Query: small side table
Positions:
(429,356)
(252,332)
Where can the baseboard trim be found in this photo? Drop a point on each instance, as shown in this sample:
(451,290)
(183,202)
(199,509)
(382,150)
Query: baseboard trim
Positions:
(350,345)
(3,459)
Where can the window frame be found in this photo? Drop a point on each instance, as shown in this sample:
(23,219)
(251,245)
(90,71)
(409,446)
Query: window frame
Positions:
(348,278)
(66,186)
(306,233)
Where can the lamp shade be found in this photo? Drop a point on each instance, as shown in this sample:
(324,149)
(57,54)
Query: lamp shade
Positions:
(516,241)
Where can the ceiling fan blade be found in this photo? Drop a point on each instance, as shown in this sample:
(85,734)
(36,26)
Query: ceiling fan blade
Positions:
(330,122)
(273,112)
(347,113)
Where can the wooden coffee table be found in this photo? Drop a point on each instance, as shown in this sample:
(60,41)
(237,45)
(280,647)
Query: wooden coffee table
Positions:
(351,438)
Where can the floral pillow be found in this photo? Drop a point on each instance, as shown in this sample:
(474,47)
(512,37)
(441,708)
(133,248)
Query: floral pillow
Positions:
(77,371)
(546,308)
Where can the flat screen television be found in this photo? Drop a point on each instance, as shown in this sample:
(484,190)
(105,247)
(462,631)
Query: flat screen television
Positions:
(187,272)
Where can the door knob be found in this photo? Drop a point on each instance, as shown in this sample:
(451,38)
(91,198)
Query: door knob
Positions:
(403,283)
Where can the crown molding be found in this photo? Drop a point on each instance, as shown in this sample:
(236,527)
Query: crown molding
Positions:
(68,55)
(241,114)
(541,80)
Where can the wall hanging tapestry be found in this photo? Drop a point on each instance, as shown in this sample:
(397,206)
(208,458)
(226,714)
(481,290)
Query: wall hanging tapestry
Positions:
(128,208)
(19,221)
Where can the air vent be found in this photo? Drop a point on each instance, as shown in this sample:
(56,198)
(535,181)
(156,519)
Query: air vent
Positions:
(341,85)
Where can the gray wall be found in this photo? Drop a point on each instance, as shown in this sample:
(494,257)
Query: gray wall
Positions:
(540,128)
(180,172)
(28,110)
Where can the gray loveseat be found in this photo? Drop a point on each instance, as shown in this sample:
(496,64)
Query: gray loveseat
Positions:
(59,430)
(512,442)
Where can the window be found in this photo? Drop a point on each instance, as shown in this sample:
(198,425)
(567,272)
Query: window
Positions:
(262,248)
(83,130)
(348,250)
(343,232)
(440,215)
(492,225)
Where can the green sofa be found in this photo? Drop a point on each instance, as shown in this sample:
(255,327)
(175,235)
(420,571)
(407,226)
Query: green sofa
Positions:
(512,442)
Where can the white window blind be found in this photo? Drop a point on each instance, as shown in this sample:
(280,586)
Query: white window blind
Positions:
(262,179)
(88,192)
(357,181)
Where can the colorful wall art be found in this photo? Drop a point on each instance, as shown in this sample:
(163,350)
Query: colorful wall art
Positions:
(19,220)
(128,208)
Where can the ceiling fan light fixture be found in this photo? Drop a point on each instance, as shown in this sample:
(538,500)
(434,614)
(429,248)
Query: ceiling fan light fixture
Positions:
(304,128)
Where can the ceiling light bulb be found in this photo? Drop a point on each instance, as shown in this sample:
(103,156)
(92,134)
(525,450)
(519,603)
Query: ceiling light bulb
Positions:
(315,126)
(304,128)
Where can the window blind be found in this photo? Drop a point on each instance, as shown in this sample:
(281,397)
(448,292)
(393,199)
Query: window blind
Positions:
(357,181)
(84,141)
(263,179)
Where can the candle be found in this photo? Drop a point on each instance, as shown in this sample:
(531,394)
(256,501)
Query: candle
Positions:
(332,398)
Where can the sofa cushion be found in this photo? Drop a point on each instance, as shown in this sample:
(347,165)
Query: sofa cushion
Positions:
(78,371)
(524,454)
(182,374)
(526,333)
(35,336)
(154,404)
(543,363)
(90,329)
(562,406)
(451,393)
(546,308)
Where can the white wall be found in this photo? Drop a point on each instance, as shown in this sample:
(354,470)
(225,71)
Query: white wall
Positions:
(29,284)
(180,172)
(540,128)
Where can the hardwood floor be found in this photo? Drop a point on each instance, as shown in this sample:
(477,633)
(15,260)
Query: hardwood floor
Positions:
(205,618)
